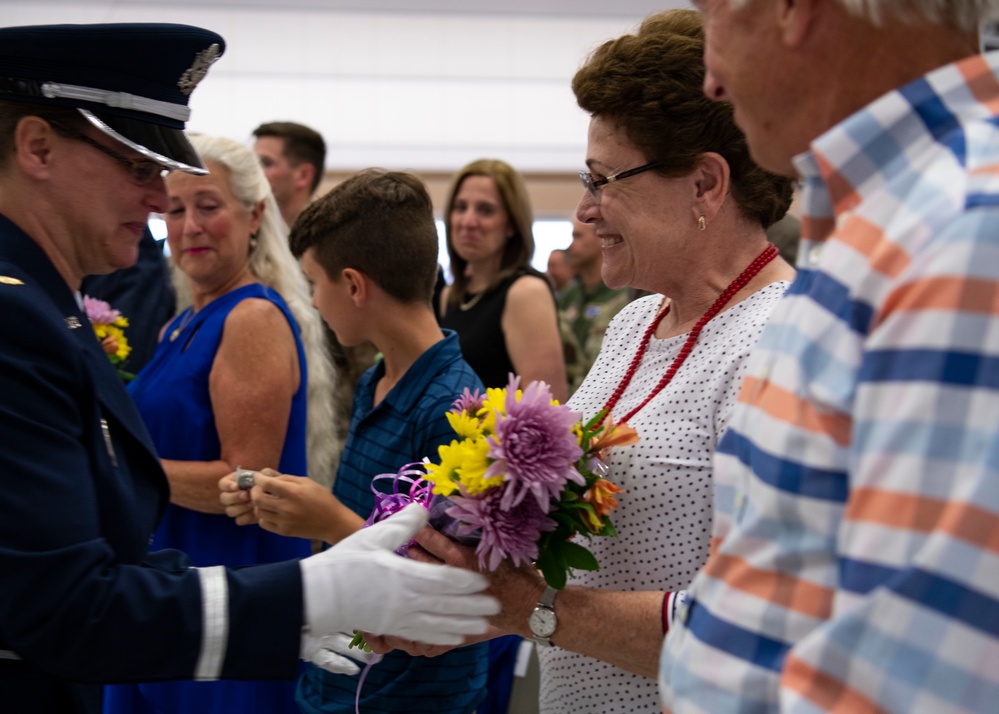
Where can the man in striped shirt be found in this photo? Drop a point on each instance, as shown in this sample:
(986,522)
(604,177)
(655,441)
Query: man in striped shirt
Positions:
(855,556)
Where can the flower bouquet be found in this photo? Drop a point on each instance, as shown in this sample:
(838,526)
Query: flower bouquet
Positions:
(109,326)
(525,476)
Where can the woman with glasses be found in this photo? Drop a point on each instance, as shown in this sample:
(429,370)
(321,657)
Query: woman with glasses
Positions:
(502,309)
(234,381)
(682,210)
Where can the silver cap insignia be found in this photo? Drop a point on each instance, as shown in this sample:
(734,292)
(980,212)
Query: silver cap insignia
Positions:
(202,61)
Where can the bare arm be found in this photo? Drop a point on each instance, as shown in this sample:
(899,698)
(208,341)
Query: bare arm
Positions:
(530,327)
(253,379)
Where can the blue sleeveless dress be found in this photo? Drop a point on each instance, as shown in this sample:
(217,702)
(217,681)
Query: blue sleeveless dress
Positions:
(173,397)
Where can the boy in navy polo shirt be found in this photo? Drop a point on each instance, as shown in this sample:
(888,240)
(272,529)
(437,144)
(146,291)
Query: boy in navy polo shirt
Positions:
(369,248)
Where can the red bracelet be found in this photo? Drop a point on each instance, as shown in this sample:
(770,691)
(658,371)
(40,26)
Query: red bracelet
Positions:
(667,603)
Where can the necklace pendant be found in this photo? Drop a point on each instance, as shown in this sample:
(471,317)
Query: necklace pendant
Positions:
(183,323)
(468,305)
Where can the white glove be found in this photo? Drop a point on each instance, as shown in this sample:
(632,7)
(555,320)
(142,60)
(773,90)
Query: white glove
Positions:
(361,584)
(332,653)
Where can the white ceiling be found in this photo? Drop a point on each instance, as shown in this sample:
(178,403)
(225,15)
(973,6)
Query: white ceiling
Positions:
(420,84)
(573,8)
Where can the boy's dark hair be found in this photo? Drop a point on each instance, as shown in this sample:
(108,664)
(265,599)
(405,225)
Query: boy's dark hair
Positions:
(301,145)
(380,223)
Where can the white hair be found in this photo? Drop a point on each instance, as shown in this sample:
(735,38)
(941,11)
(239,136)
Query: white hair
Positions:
(272,263)
(964,15)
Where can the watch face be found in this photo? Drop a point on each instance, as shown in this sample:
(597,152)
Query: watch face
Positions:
(542,622)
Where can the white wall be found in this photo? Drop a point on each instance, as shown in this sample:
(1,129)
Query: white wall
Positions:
(420,90)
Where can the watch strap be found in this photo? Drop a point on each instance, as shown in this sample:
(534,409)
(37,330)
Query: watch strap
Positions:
(548,597)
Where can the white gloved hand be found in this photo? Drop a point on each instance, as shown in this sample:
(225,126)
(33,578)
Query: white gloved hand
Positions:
(361,584)
(332,653)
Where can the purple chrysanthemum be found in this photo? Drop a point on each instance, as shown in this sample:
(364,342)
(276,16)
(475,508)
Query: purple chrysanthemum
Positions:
(468,403)
(99,312)
(512,534)
(534,446)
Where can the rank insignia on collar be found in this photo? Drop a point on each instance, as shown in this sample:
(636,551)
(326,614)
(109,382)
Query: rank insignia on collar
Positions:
(202,61)
(72,322)
(6,280)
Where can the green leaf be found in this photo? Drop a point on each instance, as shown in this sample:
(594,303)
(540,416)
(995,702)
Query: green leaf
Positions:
(565,521)
(597,418)
(577,557)
(552,568)
(359,642)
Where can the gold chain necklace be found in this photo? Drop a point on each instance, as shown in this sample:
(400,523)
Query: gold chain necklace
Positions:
(468,305)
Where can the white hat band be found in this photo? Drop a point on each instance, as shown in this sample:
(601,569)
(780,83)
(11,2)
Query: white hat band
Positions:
(121,100)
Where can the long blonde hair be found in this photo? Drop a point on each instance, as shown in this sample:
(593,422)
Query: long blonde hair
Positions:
(272,263)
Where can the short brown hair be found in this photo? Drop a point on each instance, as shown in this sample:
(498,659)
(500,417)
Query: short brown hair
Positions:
(380,223)
(519,248)
(650,85)
(301,145)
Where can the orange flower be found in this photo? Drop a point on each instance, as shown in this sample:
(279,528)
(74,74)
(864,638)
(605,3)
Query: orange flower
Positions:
(613,435)
(601,496)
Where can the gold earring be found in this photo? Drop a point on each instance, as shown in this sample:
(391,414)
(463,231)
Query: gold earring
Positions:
(702,224)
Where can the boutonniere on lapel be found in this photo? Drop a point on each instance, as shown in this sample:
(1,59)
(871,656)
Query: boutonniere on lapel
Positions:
(109,326)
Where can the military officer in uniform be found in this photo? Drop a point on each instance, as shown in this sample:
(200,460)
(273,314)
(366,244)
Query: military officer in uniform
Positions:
(91,116)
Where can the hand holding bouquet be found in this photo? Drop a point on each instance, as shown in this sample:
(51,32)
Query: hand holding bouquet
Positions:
(525,477)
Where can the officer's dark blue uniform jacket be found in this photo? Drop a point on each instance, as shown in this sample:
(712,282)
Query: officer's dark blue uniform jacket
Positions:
(81,490)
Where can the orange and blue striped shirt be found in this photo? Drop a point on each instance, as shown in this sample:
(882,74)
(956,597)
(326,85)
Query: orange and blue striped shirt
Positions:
(855,554)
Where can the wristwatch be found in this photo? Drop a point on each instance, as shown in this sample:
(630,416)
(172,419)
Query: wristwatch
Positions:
(542,620)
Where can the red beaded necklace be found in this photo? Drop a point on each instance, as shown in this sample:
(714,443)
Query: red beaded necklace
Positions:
(738,284)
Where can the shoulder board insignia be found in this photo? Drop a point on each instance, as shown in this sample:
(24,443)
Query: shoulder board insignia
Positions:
(6,280)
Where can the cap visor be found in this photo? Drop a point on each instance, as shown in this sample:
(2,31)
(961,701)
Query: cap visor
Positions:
(162,144)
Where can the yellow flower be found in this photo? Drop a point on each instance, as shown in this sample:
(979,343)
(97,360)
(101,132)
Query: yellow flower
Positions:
(465,463)
(444,475)
(601,496)
(472,472)
(117,335)
(496,400)
(465,426)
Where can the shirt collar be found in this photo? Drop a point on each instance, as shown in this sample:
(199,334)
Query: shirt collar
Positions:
(885,138)
(408,390)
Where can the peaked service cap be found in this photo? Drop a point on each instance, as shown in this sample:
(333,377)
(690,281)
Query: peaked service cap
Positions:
(131,81)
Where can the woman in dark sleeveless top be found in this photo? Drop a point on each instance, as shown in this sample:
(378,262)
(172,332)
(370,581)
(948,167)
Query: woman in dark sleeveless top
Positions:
(504,313)
(502,309)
